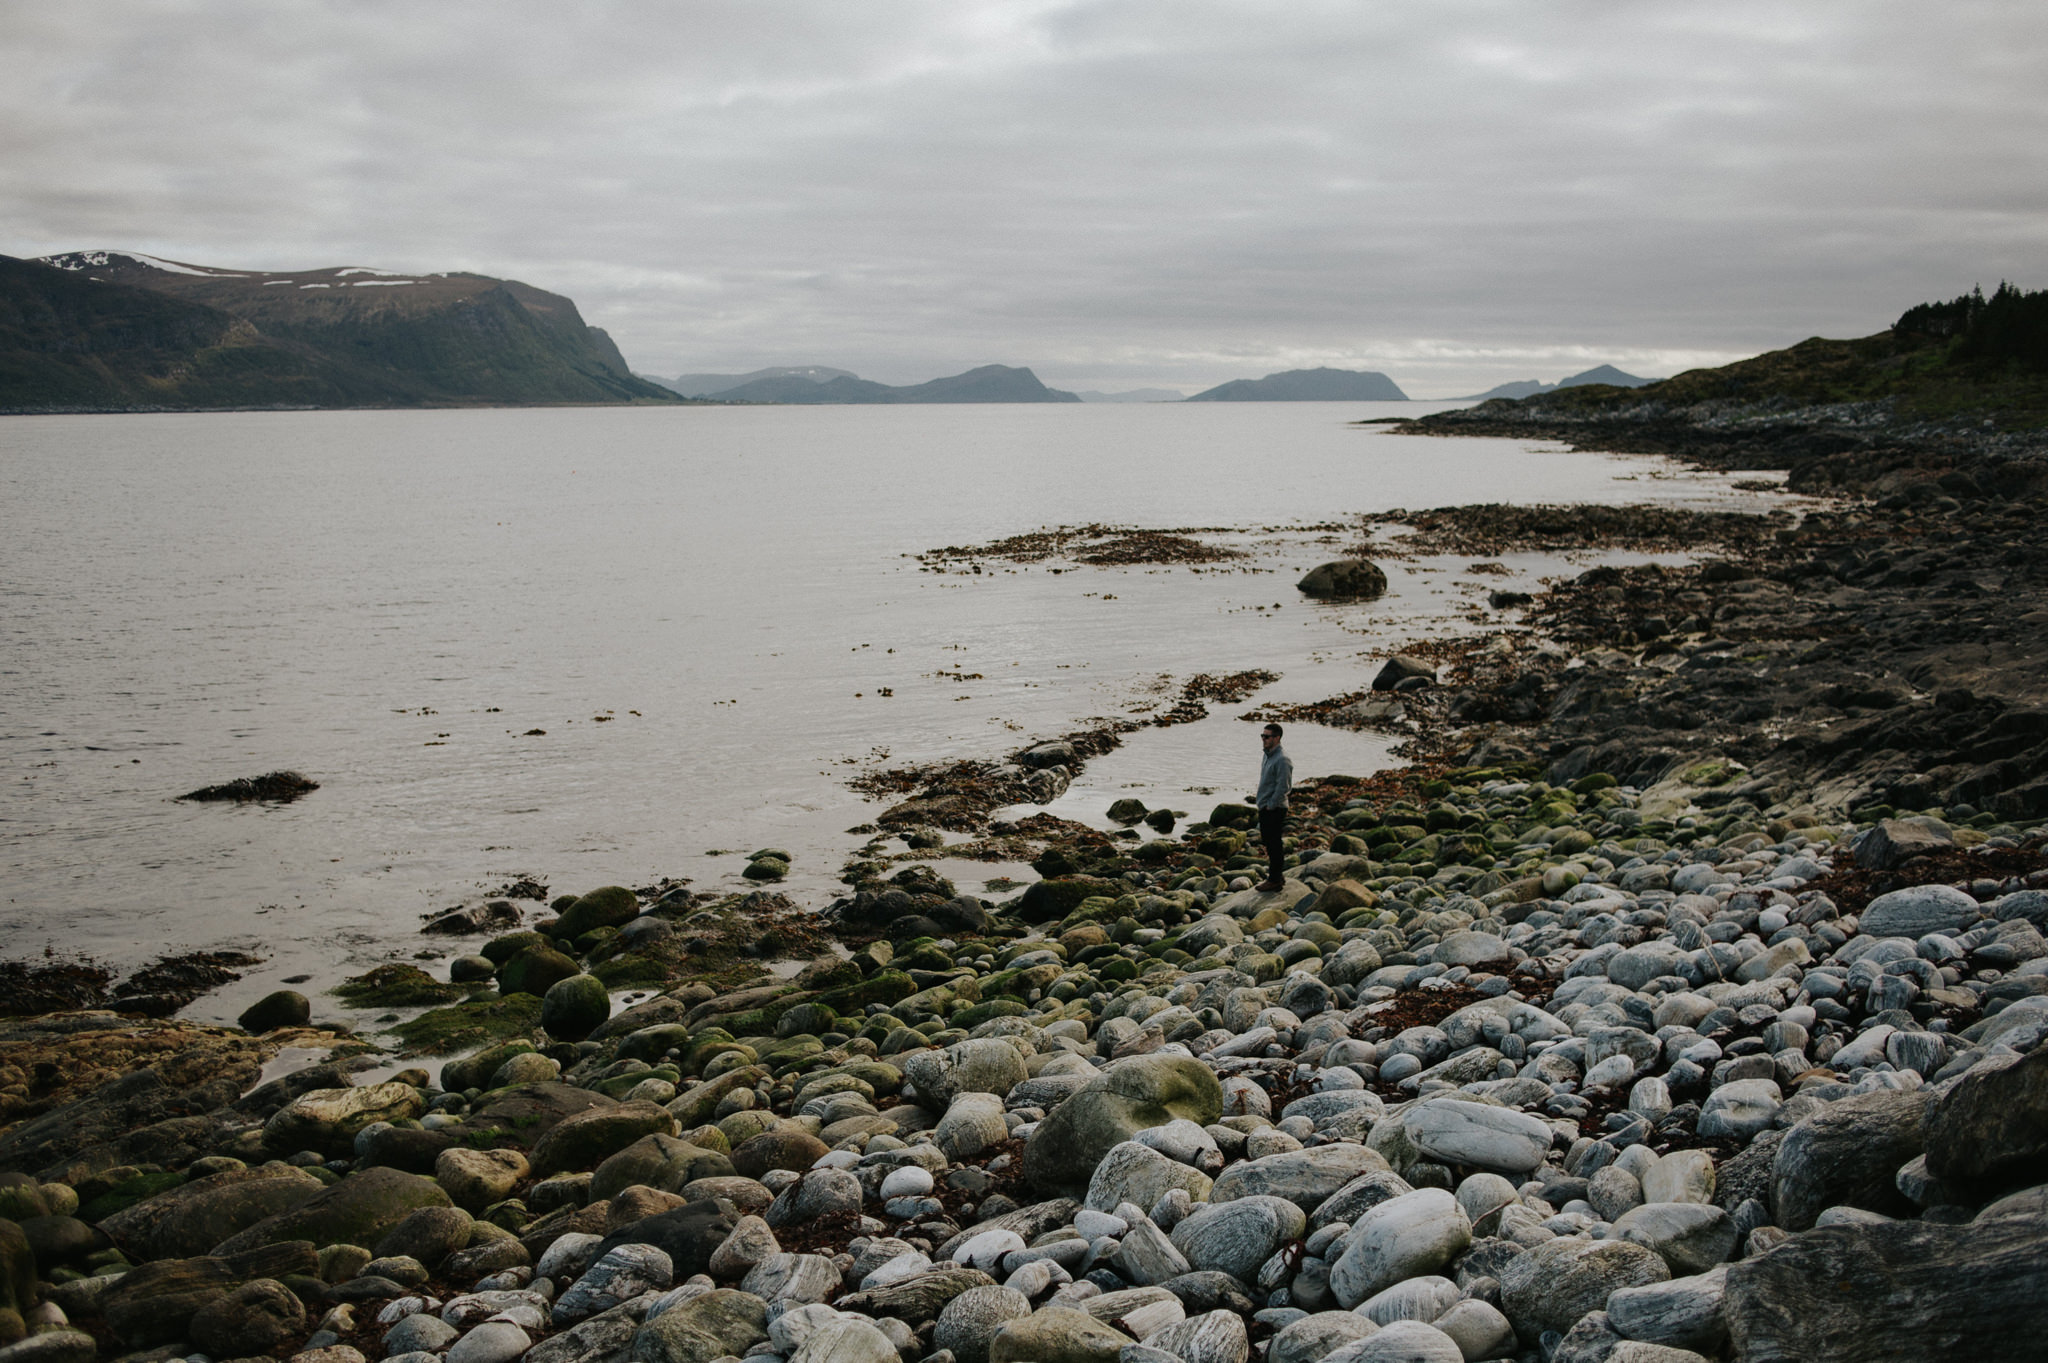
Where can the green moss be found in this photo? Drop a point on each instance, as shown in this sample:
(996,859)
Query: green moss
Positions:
(886,986)
(626,971)
(127,1193)
(973,1016)
(502,949)
(441,1031)
(396,985)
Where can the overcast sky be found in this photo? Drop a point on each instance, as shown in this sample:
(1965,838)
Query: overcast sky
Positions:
(1116,194)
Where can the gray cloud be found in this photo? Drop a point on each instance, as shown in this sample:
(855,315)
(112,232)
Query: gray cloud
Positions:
(1114,193)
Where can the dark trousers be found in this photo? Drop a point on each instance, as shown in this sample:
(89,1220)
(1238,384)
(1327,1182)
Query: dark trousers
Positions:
(1272,823)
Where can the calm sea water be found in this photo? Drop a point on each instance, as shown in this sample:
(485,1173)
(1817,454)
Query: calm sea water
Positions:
(700,607)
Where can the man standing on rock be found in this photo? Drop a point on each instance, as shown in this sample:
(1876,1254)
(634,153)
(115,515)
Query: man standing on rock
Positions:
(1276,777)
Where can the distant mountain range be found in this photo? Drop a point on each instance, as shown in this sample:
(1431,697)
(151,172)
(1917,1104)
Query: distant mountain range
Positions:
(712,385)
(114,331)
(817,384)
(1529,388)
(1307,385)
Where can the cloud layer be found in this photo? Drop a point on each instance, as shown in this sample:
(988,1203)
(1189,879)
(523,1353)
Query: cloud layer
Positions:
(1118,194)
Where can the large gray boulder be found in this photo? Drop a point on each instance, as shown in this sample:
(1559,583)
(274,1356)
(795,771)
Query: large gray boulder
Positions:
(1405,1237)
(707,1327)
(1991,1130)
(1310,1338)
(971,1320)
(1848,1154)
(978,1065)
(1690,1237)
(1500,1139)
(1685,1313)
(359,1210)
(191,1219)
(1140,1175)
(1917,911)
(1895,841)
(1237,1237)
(1304,1177)
(1897,1292)
(1212,1337)
(1133,1094)
(1056,1334)
(1552,1285)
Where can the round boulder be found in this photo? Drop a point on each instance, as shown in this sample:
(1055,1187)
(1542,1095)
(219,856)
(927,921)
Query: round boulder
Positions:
(250,1321)
(574,1008)
(970,1321)
(1143,1091)
(285,1008)
(1057,1334)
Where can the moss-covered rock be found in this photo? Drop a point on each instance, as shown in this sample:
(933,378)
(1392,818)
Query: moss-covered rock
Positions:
(359,1210)
(610,907)
(193,1217)
(1048,901)
(1141,1092)
(327,1120)
(502,949)
(535,970)
(284,1008)
(396,985)
(884,986)
(973,1016)
(585,1140)
(574,1008)
(717,1325)
(693,1107)
(472,1071)
(664,1163)
(439,1031)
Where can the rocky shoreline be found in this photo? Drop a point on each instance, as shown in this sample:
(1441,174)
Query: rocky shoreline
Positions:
(1682,999)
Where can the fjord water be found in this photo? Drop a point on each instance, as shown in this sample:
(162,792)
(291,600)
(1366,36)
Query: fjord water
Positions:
(714,614)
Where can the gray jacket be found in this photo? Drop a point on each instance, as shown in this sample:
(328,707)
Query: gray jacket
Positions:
(1276,777)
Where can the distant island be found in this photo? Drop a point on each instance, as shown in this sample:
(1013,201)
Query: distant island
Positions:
(1529,388)
(815,384)
(1307,385)
(97,331)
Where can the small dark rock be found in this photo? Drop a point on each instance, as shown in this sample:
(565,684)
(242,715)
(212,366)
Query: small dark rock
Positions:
(285,1008)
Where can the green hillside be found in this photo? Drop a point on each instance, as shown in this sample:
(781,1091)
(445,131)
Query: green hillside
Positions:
(101,331)
(1970,357)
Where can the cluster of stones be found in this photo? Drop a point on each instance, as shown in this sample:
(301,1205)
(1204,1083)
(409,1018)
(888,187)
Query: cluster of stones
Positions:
(1570,1075)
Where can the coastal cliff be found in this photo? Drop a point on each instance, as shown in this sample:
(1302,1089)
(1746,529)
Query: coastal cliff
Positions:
(104,331)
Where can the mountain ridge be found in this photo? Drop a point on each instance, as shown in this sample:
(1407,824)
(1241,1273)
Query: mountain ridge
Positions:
(710,385)
(121,331)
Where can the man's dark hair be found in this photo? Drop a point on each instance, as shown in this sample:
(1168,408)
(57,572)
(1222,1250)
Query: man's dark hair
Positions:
(1273,729)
